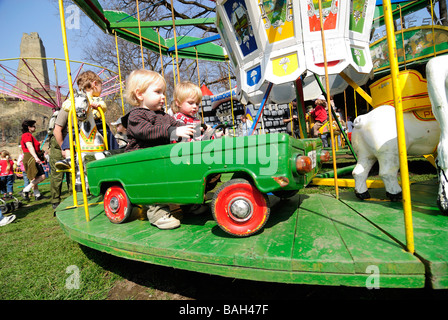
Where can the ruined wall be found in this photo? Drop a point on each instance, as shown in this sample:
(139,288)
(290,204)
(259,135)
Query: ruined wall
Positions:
(32,47)
(12,110)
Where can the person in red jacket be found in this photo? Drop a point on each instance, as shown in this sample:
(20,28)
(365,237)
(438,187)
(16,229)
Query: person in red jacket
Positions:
(31,160)
(6,174)
(319,114)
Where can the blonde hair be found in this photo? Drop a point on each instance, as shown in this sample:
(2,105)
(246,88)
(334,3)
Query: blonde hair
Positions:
(85,80)
(140,80)
(185,90)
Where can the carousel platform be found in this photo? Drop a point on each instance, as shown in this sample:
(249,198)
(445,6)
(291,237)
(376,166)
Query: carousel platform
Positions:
(312,239)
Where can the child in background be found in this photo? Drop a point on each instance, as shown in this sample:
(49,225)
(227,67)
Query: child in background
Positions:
(148,125)
(92,85)
(26,181)
(186,104)
(187,99)
(6,174)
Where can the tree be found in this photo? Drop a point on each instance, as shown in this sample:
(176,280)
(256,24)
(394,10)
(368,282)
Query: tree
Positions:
(103,52)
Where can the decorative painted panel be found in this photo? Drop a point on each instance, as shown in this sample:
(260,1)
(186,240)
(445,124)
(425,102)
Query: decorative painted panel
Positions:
(278,19)
(239,18)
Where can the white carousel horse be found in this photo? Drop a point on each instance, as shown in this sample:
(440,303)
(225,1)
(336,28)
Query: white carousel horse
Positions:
(374,137)
(90,140)
(437,77)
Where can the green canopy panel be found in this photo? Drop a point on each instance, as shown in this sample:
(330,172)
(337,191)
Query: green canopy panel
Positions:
(94,11)
(401,8)
(126,27)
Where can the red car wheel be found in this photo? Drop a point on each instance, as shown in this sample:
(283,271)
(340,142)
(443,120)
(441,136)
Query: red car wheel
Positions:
(239,208)
(117,205)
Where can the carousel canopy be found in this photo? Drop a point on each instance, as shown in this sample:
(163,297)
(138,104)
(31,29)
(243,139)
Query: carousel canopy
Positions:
(126,27)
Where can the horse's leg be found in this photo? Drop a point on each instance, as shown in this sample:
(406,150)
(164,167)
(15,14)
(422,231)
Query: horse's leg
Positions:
(366,159)
(437,77)
(389,165)
(99,155)
(78,183)
(360,174)
(78,186)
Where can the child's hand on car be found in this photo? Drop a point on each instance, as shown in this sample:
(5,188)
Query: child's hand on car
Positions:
(185,131)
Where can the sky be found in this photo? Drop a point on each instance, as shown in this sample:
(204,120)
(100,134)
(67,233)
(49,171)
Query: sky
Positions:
(41,16)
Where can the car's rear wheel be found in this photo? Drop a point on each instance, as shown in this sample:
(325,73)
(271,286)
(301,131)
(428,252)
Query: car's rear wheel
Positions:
(117,205)
(239,208)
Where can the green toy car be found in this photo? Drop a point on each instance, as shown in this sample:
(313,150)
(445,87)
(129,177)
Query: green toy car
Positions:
(178,174)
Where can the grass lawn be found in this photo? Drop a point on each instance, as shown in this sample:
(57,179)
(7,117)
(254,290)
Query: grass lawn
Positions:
(36,255)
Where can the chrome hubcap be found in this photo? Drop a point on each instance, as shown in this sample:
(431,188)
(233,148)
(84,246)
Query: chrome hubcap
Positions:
(114,204)
(240,209)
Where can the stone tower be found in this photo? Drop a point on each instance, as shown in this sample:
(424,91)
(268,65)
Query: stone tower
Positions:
(32,47)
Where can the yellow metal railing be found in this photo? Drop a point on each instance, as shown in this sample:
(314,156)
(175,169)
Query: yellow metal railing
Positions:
(402,153)
(72,118)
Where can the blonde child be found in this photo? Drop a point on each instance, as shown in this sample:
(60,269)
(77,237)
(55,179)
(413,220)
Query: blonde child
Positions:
(186,104)
(148,125)
(187,101)
(92,85)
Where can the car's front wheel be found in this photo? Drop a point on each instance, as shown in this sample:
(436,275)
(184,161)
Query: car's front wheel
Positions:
(239,208)
(117,205)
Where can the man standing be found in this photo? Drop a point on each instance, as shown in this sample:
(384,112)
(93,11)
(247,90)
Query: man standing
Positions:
(57,132)
(120,136)
(291,119)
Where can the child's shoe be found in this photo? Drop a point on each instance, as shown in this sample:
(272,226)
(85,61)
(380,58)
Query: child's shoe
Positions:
(25,196)
(7,220)
(167,222)
(162,218)
(40,197)
(63,164)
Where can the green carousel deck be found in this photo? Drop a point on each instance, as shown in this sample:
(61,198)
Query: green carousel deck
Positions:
(309,239)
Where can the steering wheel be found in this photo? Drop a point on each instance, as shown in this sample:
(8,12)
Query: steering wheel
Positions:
(212,134)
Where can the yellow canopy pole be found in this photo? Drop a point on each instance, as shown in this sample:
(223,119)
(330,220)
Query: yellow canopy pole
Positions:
(78,146)
(160,52)
(231,97)
(103,119)
(432,27)
(197,67)
(72,153)
(327,88)
(402,36)
(174,71)
(400,125)
(345,105)
(291,117)
(140,34)
(161,63)
(119,73)
(367,104)
(175,41)
(199,82)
